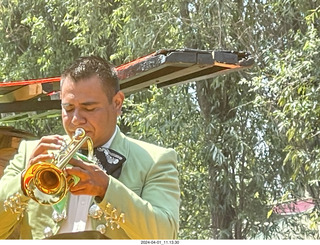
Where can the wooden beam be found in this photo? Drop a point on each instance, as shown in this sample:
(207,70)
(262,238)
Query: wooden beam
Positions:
(162,68)
(23,93)
(30,105)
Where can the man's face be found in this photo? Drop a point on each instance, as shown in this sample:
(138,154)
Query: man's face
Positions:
(86,105)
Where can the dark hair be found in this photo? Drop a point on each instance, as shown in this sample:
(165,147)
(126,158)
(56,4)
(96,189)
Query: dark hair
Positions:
(88,66)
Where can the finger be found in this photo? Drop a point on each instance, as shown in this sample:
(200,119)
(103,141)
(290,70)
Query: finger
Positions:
(81,164)
(53,142)
(78,187)
(54,139)
(41,158)
(77,171)
(45,147)
(84,183)
(88,187)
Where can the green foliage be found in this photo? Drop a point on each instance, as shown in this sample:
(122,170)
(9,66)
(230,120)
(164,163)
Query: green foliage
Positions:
(34,43)
(299,110)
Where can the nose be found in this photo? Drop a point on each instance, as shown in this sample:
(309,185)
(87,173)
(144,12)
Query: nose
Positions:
(78,118)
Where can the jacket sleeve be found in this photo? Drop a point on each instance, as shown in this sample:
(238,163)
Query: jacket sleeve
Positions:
(11,194)
(154,214)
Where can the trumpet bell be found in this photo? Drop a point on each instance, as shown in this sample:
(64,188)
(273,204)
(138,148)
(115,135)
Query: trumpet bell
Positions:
(51,180)
(46,183)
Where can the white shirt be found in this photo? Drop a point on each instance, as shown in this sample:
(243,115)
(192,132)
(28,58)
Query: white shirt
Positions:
(77,211)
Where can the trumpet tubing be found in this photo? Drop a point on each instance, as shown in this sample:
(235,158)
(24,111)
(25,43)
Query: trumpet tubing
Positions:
(46,182)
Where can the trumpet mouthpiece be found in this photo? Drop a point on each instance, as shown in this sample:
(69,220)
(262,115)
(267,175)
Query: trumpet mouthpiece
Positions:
(79,132)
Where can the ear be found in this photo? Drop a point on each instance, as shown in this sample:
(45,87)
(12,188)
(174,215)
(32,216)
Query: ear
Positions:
(117,101)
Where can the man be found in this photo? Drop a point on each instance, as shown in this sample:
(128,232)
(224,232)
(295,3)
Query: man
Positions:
(134,194)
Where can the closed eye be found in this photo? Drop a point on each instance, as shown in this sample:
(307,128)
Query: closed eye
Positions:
(67,107)
(89,108)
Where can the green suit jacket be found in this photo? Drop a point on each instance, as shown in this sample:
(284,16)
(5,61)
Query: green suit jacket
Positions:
(147,194)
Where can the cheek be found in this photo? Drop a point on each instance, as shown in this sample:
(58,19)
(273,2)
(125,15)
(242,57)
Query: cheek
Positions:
(100,122)
(65,117)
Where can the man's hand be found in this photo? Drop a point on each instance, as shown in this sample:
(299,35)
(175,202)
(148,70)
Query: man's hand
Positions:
(93,180)
(41,152)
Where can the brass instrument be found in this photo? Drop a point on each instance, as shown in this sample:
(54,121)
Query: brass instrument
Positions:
(46,182)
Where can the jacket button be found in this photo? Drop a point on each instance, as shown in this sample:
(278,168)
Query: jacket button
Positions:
(95,211)
(101,228)
(47,232)
(58,217)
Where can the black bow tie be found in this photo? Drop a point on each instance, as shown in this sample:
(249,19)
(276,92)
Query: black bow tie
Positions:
(110,161)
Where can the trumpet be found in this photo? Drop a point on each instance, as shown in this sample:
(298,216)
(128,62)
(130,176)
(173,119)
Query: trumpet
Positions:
(46,182)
